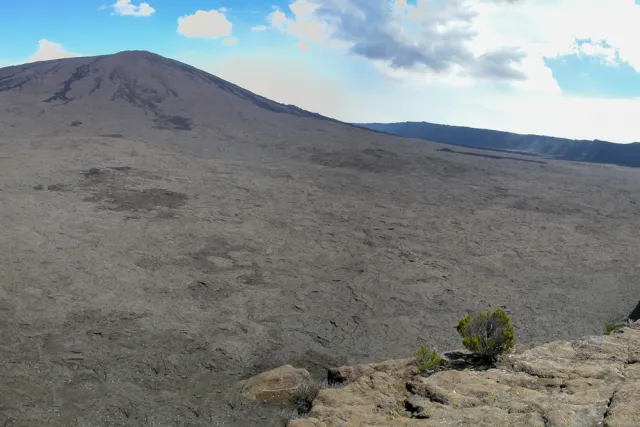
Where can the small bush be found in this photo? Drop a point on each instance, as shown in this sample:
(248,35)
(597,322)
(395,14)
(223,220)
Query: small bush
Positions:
(428,359)
(487,333)
(612,327)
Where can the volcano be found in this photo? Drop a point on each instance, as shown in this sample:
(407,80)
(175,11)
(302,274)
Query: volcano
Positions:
(132,93)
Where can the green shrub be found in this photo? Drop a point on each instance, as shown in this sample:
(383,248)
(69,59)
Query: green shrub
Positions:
(612,327)
(428,360)
(487,333)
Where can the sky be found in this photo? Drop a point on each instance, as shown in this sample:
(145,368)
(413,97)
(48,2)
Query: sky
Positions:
(567,68)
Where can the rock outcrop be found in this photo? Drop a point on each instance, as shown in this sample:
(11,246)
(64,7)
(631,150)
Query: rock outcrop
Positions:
(275,386)
(593,381)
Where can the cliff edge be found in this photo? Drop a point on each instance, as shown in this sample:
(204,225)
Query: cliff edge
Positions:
(593,381)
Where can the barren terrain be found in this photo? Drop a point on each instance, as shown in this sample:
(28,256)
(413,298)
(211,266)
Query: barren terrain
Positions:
(145,271)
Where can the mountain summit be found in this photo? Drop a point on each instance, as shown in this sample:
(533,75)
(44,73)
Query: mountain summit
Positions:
(129,91)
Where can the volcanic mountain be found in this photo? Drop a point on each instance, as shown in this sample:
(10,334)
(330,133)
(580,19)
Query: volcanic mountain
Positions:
(132,93)
(165,233)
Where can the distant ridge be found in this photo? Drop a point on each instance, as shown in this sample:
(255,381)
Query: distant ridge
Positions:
(595,151)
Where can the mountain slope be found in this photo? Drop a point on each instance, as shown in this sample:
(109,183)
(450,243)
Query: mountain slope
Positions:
(131,92)
(559,148)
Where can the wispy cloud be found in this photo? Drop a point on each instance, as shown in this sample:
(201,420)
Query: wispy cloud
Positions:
(126,8)
(230,41)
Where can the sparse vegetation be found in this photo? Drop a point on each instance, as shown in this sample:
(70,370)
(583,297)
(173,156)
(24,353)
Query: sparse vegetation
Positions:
(616,322)
(428,359)
(487,333)
(288,415)
(302,397)
(613,326)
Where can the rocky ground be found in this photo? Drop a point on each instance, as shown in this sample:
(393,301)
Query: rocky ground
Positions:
(164,233)
(593,381)
(139,281)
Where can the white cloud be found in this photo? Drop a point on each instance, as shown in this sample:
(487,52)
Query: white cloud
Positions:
(259,28)
(48,50)
(126,8)
(230,41)
(276,18)
(303,24)
(428,36)
(303,9)
(608,55)
(490,39)
(451,92)
(400,5)
(605,29)
(205,24)
(303,45)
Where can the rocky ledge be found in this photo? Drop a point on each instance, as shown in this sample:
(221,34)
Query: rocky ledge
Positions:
(593,381)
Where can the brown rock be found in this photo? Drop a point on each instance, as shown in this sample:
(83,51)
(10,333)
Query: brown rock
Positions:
(346,374)
(276,385)
(594,381)
(625,406)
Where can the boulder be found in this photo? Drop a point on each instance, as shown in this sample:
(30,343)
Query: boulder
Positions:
(275,386)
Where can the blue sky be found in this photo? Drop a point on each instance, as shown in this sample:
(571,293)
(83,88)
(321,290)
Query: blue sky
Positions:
(560,67)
